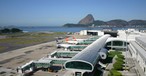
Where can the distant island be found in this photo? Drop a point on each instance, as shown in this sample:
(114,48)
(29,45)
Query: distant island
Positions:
(9,30)
(89,21)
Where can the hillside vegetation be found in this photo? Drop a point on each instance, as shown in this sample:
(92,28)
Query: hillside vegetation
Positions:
(89,21)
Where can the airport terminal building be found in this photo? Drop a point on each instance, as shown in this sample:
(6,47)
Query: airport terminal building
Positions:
(137,50)
(85,60)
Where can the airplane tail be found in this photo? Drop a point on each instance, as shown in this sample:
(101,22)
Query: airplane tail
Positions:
(74,38)
(66,39)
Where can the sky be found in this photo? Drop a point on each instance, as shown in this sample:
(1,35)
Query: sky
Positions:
(60,12)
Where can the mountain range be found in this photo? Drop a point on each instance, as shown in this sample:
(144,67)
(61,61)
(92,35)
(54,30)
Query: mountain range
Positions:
(88,21)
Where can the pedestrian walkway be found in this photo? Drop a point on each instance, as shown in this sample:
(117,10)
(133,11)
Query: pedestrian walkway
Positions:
(130,68)
(138,69)
(134,67)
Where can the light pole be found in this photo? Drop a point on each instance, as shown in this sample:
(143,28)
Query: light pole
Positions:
(126,49)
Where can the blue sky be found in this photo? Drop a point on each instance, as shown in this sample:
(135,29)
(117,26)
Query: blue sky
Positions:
(59,12)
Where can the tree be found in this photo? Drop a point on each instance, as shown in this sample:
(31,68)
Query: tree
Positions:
(14,30)
(5,30)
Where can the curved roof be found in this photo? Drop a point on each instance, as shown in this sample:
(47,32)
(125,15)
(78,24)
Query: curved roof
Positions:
(90,54)
(115,39)
(79,65)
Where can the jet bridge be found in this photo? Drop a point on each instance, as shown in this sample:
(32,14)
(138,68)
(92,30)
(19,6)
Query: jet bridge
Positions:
(86,60)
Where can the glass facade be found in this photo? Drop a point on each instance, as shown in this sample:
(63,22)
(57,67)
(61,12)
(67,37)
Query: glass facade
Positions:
(44,65)
(117,43)
(125,43)
(78,65)
(108,44)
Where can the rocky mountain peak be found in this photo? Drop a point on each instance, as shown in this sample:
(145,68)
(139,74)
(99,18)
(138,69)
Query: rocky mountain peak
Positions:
(87,20)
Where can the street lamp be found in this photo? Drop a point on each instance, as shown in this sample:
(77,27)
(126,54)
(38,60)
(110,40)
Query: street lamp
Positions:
(127,33)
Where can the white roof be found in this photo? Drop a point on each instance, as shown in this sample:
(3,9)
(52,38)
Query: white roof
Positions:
(115,39)
(141,40)
(139,49)
(44,60)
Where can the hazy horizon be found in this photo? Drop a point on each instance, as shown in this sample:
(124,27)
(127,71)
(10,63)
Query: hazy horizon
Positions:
(60,12)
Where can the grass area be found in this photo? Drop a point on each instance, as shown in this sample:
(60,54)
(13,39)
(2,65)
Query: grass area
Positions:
(27,39)
(118,65)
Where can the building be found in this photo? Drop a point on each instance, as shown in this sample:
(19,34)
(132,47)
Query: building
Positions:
(88,58)
(137,50)
(91,32)
(83,59)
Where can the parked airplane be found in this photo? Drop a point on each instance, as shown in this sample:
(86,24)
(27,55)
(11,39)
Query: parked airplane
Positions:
(70,43)
(64,45)
(74,41)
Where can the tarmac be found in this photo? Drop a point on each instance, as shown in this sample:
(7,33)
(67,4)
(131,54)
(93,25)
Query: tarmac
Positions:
(10,60)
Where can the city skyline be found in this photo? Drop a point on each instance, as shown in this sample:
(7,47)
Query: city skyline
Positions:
(60,12)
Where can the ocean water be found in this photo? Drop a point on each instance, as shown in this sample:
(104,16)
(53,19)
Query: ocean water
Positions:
(64,29)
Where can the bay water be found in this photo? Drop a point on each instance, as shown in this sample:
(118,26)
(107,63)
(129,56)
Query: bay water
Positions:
(67,29)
